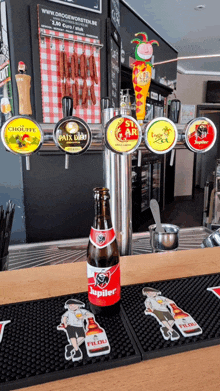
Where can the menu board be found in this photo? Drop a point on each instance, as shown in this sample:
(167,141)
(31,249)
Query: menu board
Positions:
(69,23)
(91,5)
(114,55)
(115,13)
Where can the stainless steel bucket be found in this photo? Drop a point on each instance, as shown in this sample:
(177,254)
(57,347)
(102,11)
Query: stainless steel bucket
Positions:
(164,241)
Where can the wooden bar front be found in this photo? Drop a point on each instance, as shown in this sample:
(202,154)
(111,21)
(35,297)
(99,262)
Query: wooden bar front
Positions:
(193,370)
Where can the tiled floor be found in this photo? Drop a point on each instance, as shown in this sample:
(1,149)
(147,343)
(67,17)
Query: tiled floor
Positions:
(184,213)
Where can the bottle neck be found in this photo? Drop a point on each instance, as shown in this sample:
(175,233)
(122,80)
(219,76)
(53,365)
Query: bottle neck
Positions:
(102,215)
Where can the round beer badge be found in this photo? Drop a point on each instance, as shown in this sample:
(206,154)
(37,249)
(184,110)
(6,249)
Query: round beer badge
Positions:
(123,135)
(161,135)
(21,135)
(72,135)
(200,135)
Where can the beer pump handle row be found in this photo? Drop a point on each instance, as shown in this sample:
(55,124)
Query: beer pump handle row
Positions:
(122,134)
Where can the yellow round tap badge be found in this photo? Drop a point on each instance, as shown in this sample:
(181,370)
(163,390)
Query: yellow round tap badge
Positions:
(161,135)
(21,135)
(123,135)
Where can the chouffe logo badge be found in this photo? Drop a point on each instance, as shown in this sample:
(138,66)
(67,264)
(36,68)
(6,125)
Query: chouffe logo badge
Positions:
(123,135)
(161,136)
(22,136)
(2,327)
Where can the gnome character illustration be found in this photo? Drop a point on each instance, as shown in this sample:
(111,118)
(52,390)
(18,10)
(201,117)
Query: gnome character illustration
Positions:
(81,326)
(73,323)
(168,314)
(157,306)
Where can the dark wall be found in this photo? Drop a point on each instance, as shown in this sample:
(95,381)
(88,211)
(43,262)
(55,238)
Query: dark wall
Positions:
(23,38)
(132,24)
(59,202)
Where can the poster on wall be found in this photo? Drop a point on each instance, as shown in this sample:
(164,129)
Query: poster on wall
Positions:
(69,47)
(90,5)
(187,113)
(6,98)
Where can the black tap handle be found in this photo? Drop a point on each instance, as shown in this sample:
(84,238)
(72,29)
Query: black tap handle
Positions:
(67,106)
(105,103)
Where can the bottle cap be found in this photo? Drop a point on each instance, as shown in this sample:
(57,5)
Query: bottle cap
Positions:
(101,193)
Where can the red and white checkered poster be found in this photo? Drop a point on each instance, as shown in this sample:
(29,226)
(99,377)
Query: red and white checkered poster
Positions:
(50,75)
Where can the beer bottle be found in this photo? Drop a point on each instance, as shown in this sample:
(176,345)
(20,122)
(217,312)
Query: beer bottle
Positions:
(184,321)
(96,339)
(103,269)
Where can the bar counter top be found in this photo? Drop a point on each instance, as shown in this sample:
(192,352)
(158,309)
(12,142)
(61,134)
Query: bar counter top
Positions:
(193,370)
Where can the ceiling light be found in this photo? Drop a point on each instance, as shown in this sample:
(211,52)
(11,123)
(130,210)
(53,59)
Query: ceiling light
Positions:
(199,7)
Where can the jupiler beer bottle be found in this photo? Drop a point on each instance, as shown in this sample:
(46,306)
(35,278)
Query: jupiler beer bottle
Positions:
(103,269)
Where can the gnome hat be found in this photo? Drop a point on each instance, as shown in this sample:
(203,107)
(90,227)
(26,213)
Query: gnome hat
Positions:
(148,289)
(74,301)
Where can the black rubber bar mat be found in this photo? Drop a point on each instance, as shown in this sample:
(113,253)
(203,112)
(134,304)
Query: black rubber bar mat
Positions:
(190,296)
(32,350)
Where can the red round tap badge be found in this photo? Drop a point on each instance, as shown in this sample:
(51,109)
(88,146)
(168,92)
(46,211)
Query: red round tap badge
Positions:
(200,135)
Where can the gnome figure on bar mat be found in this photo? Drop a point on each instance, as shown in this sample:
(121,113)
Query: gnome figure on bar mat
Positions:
(167,314)
(80,326)
(142,71)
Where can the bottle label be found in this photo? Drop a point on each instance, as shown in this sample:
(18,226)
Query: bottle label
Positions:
(188,326)
(97,345)
(103,285)
(102,238)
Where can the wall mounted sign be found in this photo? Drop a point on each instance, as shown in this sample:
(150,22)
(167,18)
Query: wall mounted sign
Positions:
(123,135)
(200,135)
(89,5)
(71,33)
(114,63)
(72,135)
(187,113)
(161,135)
(22,135)
(68,23)
(115,13)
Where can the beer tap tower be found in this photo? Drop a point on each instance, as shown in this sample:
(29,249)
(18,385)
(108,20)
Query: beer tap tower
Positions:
(122,137)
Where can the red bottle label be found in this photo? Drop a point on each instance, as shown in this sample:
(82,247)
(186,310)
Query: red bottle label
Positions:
(101,238)
(104,285)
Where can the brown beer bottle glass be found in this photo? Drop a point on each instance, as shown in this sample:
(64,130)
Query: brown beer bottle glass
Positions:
(103,268)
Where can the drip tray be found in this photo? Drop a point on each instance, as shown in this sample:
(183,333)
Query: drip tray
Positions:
(69,251)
